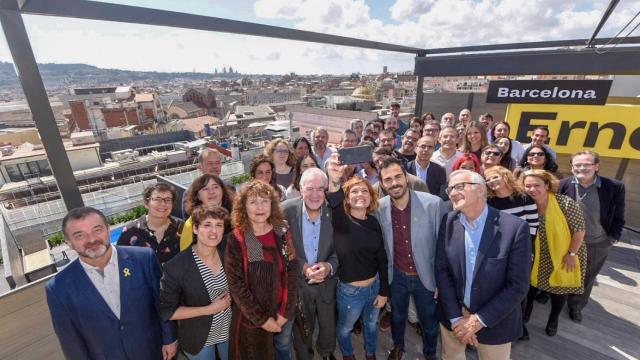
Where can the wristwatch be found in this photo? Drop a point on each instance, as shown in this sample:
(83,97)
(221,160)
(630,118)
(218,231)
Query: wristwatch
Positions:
(571,253)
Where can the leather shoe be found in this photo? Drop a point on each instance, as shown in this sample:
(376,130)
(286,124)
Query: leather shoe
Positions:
(416,327)
(542,297)
(575,315)
(395,354)
(552,327)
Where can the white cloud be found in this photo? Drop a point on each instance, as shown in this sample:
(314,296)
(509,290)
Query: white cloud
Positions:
(402,9)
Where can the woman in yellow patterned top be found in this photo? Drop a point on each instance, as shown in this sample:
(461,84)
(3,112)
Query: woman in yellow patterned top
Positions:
(560,255)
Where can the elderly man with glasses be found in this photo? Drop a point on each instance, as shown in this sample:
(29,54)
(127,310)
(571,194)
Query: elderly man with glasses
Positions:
(482,266)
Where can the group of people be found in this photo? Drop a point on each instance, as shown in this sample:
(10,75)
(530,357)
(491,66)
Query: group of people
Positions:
(443,230)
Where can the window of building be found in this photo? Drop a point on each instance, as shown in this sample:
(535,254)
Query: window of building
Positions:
(28,170)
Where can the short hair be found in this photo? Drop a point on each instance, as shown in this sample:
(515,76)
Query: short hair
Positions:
(451,127)
(80,213)
(320,129)
(239,216)
(433,122)
(380,150)
(507,176)
(201,213)
(206,152)
(493,128)
(475,178)
(487,115)
(356,180)
(426,115)
(418,120)
(388,132)
(541,127)
(408,131)
(547,177)
(353,122)
(494,147)
(200,182)
(311,173)
(595,155)
(394,105)
(159,187)
(390,161)
(346,132)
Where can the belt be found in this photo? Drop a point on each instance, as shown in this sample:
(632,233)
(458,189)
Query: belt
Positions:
(409,273)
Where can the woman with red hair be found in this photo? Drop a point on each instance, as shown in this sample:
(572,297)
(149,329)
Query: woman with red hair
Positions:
(468,161)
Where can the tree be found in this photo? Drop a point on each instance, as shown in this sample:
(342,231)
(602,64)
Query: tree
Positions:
(224,70)
(230,70)
(216,71)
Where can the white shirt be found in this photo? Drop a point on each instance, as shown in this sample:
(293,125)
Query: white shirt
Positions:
(321,160)
(517,150)
(441,160)
(106,281)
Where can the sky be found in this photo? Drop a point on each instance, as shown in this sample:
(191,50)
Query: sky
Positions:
(416,23)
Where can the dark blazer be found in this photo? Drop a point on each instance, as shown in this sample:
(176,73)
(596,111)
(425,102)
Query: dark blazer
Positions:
(326,253)
(86,326)
(182,285)
(436,176)
(611,193)
(500,277)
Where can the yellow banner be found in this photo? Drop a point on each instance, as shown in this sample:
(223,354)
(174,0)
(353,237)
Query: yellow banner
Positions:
(610,130)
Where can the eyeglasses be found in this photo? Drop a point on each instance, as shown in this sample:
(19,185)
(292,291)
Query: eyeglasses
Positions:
(458,187)
(582,166)
(536,154)
(159,200)
(492,153)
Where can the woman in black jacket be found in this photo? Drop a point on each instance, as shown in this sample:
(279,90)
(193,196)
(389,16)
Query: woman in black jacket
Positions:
(194,289)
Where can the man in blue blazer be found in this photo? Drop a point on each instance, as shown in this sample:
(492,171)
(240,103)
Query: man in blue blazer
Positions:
(105,304)
(483,265)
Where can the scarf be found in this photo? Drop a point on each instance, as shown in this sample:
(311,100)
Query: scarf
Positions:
(558,240)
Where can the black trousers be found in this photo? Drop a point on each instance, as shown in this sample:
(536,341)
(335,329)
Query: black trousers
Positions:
(316,309)
(557,303)
(596,257)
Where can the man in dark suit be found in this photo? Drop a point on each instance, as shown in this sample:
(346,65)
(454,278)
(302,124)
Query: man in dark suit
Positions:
(310,223)
(105,304)
(602,201)
(483,262)
(431,173)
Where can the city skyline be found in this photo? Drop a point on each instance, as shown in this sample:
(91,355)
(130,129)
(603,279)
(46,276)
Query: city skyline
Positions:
(406,22)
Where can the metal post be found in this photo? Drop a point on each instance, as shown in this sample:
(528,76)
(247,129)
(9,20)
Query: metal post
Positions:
(603,20)
(25,63)
(419,91)
(470,102)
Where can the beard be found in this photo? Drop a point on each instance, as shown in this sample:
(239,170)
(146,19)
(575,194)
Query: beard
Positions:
(395,188)
(93,254)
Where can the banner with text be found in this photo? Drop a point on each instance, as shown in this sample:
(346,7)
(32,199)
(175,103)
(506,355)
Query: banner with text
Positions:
(577,92)
(610,130)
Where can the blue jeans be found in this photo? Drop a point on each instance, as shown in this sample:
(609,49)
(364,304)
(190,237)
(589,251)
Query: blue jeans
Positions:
(402,287)
(354,301)
(209,352)
(283,342)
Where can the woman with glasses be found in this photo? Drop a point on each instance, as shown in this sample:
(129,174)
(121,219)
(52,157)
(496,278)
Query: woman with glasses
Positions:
(505,193)
(474,139)
(536,157)
(505,144)
(363,287)
(560,254)
(491,156)
(263,169)
(157,229)
(262,271)
(280,153)
(194,290)
(301,147)
(303,163)
(208,191)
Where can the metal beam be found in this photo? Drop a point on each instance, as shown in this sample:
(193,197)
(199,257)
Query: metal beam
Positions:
(529,45)
(616,61)
(93,10)
(33,87)
(603,20)
(419,92)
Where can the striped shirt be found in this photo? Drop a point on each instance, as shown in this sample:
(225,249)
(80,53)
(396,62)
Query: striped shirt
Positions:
(216,285)
(519,205)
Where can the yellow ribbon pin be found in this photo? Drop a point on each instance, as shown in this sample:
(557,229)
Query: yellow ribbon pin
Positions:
(126,272)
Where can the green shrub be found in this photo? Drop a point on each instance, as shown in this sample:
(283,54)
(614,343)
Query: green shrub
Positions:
(56,239)
(132,214)
(239,179)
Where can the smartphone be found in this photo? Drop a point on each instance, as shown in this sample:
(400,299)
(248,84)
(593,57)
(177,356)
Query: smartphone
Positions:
(356,155)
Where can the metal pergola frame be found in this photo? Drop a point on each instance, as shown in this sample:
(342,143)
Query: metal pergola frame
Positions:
(516,58)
